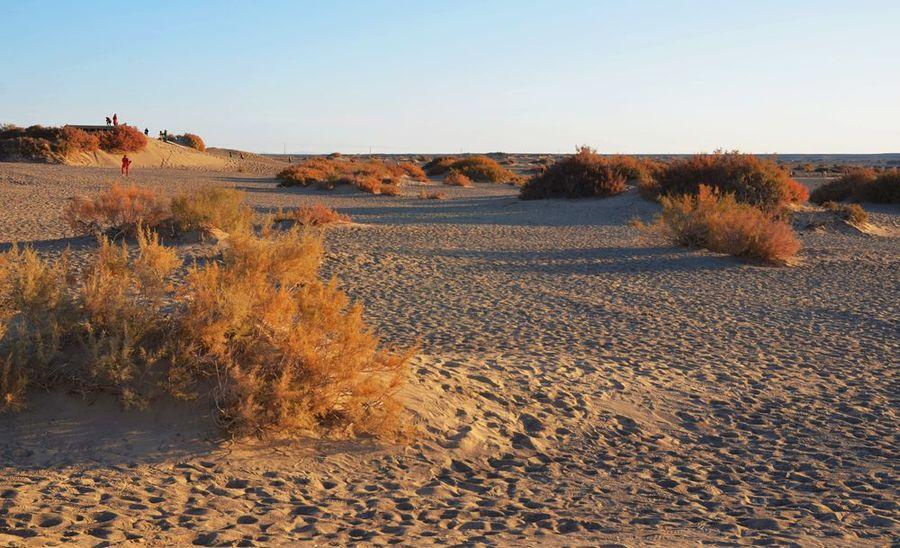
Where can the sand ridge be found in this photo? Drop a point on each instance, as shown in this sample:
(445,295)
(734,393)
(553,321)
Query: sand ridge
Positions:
(576,385)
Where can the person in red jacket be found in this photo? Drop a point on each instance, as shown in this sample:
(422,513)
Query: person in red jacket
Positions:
(126,163)
(115,119)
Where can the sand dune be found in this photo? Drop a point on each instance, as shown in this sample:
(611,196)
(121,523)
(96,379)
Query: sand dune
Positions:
(157,154)
(576,385)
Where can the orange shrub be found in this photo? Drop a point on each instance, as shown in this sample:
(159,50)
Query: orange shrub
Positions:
(193,141)
(436,195)
(861,185)
(76,140)
(456,178)
(581,175)
(367,175)
(122,139)
(722,224)
(46,143)
(118,211)
(389,189)
(477,168)
(413,171)
(752,180)
(316,215)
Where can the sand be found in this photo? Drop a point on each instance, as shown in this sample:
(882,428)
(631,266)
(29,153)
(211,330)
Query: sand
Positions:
(576,385)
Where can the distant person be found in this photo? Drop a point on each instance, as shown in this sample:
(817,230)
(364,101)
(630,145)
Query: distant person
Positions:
(108,121)
(146,132)
(115,119)
(165,135)
(126,163)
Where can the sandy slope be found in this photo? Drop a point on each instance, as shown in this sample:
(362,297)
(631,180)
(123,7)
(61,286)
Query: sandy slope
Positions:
(157,154)
(576,385)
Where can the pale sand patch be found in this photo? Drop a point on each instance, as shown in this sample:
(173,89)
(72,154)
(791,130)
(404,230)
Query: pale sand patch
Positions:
(575,386)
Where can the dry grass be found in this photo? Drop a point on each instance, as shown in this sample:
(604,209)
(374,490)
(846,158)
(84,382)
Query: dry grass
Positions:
(582,175)
(389,189)
(720,223)
(122,139)
(315,215)
(193,141)
(48,144)
(211,207)
(281,350)
(118,211)
(285,351)
(413,171)
(853,213)
(434,195)
(861,185)
(751,180)
(457,178)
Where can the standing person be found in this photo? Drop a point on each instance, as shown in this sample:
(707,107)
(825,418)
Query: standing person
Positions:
(146,132)
(115,119)
(108,121)
(126,163)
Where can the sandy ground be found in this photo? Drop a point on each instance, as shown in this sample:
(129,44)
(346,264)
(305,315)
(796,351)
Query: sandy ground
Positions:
(576,385)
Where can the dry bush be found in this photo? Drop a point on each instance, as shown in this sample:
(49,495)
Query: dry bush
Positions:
(456,178)
(118,211)
(315,215)
(439,165)
(75,140)
(436,195)
(389,189)
(285,351)
(582,175)
(413,171)
(477,168)
(853,213)
(366,175)
(122,139)
(861,185)
(211,207)
(193,141)
(41,143)
(751,180)
(720,223)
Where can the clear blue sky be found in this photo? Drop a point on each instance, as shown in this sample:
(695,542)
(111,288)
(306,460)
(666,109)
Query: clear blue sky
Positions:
(444,76)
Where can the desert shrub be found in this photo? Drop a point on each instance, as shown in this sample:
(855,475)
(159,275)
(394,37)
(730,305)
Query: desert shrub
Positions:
(34,148)
(434,195)
(75,140)
(122,139)
(334,155)
(46,143)
(389,189)
(854,213)
(315,215)
(477,168)
(285,351)
(367,175)
(720,223)
(211,207)
(861,185)
(413,171)
(193,141)
(456,178)
(438,165)
(750,179)
(117,211)
(98,329)
(581,175)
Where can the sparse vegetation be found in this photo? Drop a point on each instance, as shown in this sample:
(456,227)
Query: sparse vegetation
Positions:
(720,223)
(476,168)
(434,195)
(193,141)
(861,185)
(413,171)
(47,144)
(853,213)
(314,215)
(457,178)
(367,175)
(118,211)
(751,180)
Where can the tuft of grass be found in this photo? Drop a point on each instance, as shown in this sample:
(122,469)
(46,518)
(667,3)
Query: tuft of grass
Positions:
(861,185)
(720,223)
(366,175)
(457,178)
(315,215)
(211,207)
(389,189)
(193,141)
(435,195)
(117,211)
(752,180)
(413,171)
